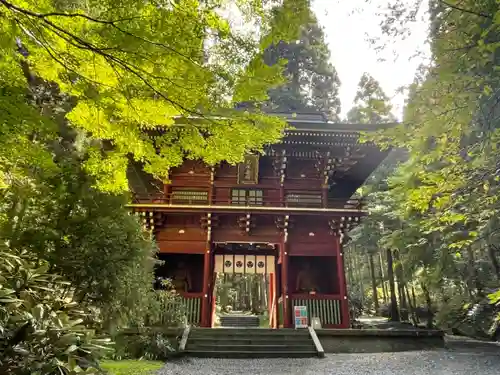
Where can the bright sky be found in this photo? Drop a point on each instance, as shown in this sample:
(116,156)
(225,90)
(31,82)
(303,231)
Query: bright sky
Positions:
(346,25)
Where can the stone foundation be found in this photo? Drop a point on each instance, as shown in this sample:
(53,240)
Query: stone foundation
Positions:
(378,340)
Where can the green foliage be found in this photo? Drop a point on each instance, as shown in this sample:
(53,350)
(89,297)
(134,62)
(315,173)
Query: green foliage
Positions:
(132,69)
(88,237)
(131,367)
(165,308)
(41,328)
(371,104)
(145,345)
(312,82)
(495,298)
(439,206)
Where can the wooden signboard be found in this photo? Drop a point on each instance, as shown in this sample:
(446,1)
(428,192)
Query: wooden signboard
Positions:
(300,315)
(248,171)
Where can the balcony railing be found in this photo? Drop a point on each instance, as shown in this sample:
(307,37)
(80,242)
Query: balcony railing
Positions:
(176,199)
(186,304)
(326,308)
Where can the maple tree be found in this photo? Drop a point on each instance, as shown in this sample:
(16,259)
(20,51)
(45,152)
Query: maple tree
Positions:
(137,67)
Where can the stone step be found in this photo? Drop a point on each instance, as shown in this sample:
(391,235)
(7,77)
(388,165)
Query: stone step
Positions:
(227,347)
(249,343)
(238,325)
(239,321)
(254,340)
(248,336)
(250,354)
(205,332)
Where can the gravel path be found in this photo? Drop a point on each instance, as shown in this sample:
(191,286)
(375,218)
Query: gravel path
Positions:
(403,363)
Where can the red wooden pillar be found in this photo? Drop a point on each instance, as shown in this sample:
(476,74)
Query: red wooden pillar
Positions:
(270,299)
(205,302)
(273,302)
(284,285)
(344,303)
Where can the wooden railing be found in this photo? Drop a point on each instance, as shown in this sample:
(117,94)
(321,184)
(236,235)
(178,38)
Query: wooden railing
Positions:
(167,199)
(325,307)
(189,304)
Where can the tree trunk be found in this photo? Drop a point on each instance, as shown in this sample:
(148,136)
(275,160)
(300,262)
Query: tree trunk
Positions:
(359,277)
(347,266)
(264,286)
(382,276)
(401,285)
(394,312)
(350,268)
(430,316)
(411,306)
(492,250)
(474,282)
(256,293)
(374,282)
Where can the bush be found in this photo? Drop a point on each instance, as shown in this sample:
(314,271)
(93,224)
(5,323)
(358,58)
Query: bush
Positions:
(165,308)
(355,307)
(41,331)
(143,345)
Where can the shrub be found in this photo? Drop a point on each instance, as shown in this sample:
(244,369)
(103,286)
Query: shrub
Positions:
(355,307)
(166,309)
(143,345)
(41,331)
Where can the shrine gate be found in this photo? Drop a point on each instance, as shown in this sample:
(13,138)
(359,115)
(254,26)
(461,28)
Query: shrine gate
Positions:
(284,213)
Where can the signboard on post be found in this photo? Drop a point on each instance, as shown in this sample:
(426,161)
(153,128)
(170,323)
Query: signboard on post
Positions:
(300,313)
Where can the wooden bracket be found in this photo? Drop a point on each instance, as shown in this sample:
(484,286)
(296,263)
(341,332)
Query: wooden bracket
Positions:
(339,227)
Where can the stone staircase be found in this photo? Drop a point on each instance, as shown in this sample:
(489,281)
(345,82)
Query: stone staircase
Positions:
(235,320)
(250,343)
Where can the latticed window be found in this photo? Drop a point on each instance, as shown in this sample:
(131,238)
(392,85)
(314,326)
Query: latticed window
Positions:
(189,197)
(244,197)
(303,200)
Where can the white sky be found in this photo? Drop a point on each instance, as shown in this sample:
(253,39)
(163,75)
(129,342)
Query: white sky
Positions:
(346,25)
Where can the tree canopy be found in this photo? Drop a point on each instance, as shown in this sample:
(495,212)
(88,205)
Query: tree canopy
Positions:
(440,204)
(312,83)
(371,104)
(134,67)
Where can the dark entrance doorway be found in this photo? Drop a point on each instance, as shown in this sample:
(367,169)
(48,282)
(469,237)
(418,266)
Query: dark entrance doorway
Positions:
(244,292)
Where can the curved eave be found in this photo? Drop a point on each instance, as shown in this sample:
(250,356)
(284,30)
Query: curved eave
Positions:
(303,124)
(329,127)
(179,208)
